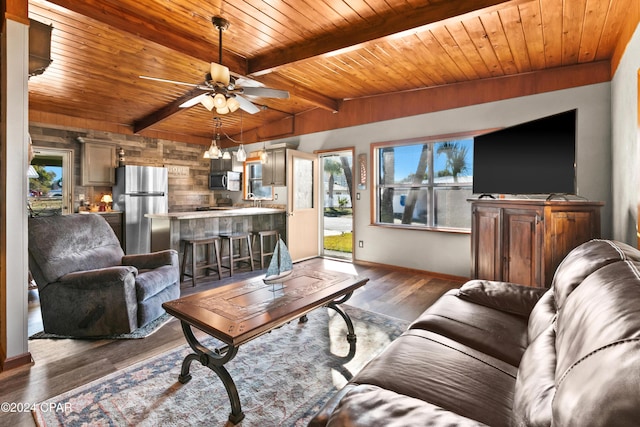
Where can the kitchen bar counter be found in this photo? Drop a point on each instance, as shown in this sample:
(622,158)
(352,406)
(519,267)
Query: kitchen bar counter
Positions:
(217,213)
(169,229)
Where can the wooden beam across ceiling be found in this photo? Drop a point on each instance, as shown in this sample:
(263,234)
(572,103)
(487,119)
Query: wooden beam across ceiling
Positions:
(157,32)
(164,112)
(388,25)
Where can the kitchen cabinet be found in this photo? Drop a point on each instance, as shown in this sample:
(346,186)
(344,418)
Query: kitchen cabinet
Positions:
(98,164)
(221,165)
(274,169)
(524,241)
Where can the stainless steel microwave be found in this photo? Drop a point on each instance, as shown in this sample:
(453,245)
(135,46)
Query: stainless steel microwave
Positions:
(227,180)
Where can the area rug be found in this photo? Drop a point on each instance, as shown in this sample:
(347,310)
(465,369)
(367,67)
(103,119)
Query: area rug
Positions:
(283,379)
(142,332)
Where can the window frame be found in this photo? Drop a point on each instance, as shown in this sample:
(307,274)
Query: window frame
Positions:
(431,186)
(246,179)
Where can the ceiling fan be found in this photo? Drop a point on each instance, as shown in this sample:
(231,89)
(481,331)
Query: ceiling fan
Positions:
(222,90)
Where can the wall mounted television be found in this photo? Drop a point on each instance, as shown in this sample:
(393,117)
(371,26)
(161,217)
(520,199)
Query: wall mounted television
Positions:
(536,157)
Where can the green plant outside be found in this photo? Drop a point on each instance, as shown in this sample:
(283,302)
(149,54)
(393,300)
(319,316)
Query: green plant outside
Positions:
(341,243)
(342,211)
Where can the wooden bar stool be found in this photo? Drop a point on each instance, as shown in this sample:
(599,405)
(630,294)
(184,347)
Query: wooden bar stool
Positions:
(230,238)
(191,245)
(261,235)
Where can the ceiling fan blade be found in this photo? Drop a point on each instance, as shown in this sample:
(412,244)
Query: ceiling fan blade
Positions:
(265,92)
(168,81)
(193,101)
(247,105)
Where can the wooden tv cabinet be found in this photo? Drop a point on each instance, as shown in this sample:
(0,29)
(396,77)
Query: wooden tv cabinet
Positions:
(524,240)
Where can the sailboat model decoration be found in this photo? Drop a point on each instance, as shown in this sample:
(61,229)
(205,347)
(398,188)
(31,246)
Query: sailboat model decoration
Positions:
(279,267)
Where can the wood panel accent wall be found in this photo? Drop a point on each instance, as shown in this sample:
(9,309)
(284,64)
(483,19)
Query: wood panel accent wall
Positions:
(185,193)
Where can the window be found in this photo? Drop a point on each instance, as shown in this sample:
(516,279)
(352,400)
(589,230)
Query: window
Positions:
(253,181)
(424,184)
(49,189)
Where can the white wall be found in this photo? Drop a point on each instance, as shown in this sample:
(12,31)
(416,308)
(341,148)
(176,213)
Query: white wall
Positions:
(15,44)
(625,142)
(449,253)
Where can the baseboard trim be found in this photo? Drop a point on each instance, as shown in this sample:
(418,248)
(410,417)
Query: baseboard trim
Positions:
(461,279)
(8,363)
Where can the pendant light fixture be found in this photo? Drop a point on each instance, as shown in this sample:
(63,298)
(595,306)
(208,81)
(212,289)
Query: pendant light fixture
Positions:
(241,155)
(264,156)
(214,150)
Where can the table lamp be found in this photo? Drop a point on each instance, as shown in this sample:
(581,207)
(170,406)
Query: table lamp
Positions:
(107,200)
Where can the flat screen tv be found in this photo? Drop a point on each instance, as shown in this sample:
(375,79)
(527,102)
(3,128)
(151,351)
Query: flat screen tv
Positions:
(536,157)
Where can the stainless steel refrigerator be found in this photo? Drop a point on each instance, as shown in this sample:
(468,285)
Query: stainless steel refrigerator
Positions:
(140,190)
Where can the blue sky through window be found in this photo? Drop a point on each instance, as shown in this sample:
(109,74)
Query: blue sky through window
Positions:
(406,159)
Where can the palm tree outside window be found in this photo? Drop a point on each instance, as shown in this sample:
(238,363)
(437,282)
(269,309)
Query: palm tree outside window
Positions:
(424,184)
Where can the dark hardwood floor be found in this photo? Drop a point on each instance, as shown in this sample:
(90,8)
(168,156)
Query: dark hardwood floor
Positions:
(61,365)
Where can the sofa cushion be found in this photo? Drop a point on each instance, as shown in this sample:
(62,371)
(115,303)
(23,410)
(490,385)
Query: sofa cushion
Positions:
(602,311)
(602,389)
(584,260)
(508,297)
(494,332)
(152,282)
(151,308)
(371,406)
(433,368)
(536,383)
(542,315)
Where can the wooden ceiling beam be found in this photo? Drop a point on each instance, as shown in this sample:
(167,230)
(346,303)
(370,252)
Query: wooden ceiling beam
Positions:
(126,20)
(297,91)
(164,112)
(157,32)
(389,25)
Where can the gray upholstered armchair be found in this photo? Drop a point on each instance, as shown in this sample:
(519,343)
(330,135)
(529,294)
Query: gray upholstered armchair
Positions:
(88,287)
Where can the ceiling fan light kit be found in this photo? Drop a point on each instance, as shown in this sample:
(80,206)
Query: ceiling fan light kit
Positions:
(233,104)
(208,102)
(219,100)
(221,89)
(220,74)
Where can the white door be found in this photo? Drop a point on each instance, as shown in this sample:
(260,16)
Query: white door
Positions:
(302,205)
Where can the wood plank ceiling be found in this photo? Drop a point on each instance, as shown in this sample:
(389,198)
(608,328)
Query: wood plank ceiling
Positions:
(322,51)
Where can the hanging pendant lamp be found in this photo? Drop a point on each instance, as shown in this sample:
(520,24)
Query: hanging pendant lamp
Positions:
(214,150)
(241,154)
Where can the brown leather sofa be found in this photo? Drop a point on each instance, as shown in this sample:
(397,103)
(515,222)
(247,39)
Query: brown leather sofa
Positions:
(499,354)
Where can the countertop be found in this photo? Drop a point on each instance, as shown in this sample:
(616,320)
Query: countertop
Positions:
(100,212)
(217,213)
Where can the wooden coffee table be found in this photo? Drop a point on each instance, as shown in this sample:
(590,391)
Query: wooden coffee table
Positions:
(239,312)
